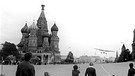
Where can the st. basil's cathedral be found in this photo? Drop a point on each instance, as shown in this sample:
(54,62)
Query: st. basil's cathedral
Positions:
(39,42)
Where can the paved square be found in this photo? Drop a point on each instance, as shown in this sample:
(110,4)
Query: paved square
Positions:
(118,69)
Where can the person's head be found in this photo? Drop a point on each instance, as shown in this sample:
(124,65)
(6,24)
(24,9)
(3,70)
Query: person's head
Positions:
(46,74)
(90,64)
(131,65)
(27,56)
(75,67)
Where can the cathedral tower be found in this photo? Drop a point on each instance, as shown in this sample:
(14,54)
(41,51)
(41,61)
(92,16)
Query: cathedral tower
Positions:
(54,39)
(43,28)
(33,38)
(23,45)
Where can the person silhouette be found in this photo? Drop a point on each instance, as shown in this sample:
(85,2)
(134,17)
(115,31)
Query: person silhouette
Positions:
(131,71)
(25,68)
(90,71)
(75,71)
(46,74)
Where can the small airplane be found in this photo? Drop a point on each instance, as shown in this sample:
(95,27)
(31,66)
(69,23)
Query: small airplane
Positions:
(104,51)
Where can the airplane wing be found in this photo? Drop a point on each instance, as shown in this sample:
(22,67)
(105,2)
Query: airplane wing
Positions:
(99,49)
(104,50)
(109,51)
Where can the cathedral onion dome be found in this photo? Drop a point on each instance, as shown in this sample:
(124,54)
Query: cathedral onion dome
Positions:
(24,29)
(54,28)
(46,34)
(33,27)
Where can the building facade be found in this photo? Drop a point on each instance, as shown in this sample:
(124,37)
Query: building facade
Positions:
(39,42)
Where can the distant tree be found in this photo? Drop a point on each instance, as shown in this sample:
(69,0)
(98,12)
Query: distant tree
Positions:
(125,56)
(121,57)
(70,58)
(9,49)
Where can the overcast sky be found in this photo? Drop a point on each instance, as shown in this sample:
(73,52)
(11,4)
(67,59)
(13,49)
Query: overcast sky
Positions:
(83,24)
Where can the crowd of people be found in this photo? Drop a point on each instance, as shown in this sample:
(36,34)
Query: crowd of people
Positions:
(25,68)
(90,71)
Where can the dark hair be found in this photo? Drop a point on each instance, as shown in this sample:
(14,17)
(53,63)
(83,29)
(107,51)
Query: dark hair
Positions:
(75,67)
(27,56)
(131,65)
(46,74)
(91,64)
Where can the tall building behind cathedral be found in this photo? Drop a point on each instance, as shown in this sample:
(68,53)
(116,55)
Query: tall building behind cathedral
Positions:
(133,46)
(37,40)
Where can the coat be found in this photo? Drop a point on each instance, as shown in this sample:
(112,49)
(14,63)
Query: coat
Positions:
(131,72)
(90,71)
(25,69)
(75,72)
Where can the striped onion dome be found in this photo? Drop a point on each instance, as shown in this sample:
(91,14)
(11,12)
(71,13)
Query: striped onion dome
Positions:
(54,28)
(24,29)
(33,26)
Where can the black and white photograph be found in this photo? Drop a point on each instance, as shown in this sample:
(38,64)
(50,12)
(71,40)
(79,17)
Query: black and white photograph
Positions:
(67,37)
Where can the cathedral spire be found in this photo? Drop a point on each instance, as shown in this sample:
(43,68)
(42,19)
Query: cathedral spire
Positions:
(42,22)
(42,15)
(42,6)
